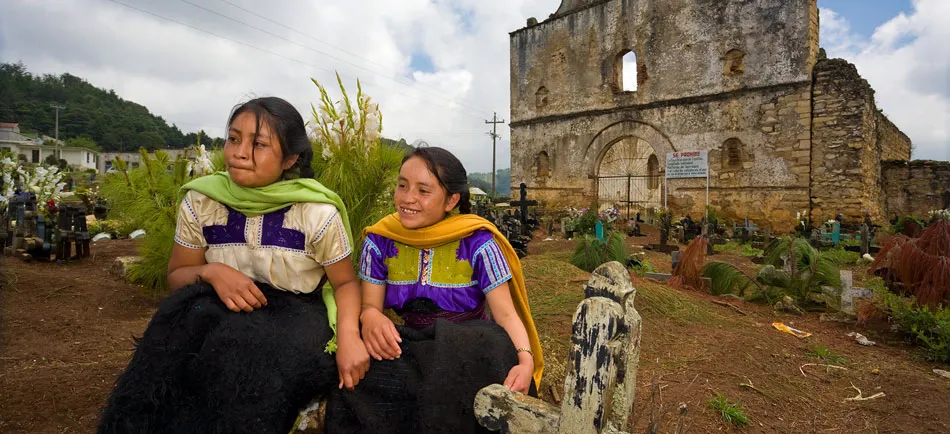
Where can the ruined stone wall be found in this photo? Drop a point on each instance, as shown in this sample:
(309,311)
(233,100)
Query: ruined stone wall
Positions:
(846,170)
(915,187)
(568,63)
(767,183)
(705,82)
(895,145)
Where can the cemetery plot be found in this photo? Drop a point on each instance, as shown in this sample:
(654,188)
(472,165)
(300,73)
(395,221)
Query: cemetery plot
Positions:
(66,332)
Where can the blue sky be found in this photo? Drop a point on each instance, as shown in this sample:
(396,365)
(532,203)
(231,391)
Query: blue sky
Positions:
(866,15)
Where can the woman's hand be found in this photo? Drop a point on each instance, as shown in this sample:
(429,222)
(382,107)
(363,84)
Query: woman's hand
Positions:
(352,360)
(234,288)
(519,377)
(380,335)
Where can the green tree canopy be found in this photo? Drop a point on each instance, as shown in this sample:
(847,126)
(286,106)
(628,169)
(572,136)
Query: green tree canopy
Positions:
(83,142)
(114,124)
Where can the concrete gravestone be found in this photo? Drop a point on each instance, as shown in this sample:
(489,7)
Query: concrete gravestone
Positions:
(601,381)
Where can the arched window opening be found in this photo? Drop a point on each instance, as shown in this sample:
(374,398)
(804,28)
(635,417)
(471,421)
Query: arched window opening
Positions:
(626,72)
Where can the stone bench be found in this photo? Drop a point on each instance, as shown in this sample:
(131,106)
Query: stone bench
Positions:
(601,381)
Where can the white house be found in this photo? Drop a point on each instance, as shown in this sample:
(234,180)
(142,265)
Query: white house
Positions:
(36,152)
(133,159)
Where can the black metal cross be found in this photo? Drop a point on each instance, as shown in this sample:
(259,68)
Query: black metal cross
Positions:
(524,203)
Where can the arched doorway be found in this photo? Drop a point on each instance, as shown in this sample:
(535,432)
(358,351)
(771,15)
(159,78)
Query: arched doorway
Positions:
(628,175)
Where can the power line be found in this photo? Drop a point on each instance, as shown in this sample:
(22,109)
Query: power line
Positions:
(272,52)
(265,31)
(331,46)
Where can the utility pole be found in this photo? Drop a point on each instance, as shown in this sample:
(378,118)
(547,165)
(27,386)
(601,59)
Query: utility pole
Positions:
(494,137)
(58,108)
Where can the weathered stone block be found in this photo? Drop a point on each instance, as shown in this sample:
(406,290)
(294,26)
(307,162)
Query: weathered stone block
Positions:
(120,267)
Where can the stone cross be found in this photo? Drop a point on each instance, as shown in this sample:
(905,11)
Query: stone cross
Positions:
(524,203)
(847,303)
(600,385)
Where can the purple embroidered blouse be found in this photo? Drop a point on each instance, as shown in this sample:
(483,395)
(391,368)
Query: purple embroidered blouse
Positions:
(456,276)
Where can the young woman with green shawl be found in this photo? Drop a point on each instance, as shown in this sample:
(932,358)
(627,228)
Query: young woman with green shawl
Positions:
(250,338)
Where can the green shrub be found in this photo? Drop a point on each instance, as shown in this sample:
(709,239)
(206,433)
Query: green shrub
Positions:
(591,252)
(587,222)
(644,268)
(841,257)
(712,213)
(737,246)
(898,228)
(147,197)
(809,272)
(929,328)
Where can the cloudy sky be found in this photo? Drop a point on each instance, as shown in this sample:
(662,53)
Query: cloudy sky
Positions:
(439,68)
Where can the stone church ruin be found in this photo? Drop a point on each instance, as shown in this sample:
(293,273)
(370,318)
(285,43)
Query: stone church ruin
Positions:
(602,90)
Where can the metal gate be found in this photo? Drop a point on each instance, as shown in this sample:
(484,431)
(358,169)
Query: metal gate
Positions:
(629,176)
(629,192)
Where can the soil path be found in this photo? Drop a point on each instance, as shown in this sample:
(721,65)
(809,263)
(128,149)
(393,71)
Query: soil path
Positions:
(65,334)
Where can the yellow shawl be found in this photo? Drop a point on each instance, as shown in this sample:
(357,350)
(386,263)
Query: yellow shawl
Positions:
(455,228)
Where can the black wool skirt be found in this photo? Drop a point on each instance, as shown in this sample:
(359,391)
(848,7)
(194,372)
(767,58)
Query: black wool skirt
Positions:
(200,368)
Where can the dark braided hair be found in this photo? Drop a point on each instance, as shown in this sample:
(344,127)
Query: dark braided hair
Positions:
(448,170)
(288,125)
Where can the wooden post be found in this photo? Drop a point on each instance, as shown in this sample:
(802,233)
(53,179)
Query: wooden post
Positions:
(865,239)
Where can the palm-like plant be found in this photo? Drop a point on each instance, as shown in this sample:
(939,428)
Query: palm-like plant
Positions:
(148,197)
(792,267)
(590,252)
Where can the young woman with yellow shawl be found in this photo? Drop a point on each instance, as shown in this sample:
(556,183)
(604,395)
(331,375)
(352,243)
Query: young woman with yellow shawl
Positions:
(440,272)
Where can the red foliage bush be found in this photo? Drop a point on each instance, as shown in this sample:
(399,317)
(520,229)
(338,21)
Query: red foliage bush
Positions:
(920,265)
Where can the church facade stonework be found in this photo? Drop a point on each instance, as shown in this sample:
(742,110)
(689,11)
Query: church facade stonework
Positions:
(602,90)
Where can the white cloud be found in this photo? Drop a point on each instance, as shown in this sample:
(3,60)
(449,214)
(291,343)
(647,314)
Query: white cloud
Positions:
(193,79)
(907,62)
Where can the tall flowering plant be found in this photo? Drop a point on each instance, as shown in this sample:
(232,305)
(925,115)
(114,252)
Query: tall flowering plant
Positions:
(8,170)
(350,157)
(346,125)
(203,164)
(47,183)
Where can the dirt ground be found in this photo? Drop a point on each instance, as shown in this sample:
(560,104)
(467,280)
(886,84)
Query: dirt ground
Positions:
(66,333)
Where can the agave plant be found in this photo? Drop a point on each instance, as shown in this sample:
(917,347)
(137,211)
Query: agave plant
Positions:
(792,268)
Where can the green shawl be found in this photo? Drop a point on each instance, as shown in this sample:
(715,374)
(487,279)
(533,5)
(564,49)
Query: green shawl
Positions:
(257,201)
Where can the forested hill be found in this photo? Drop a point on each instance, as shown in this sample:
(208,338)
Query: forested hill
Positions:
(98,114)
(483,181)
